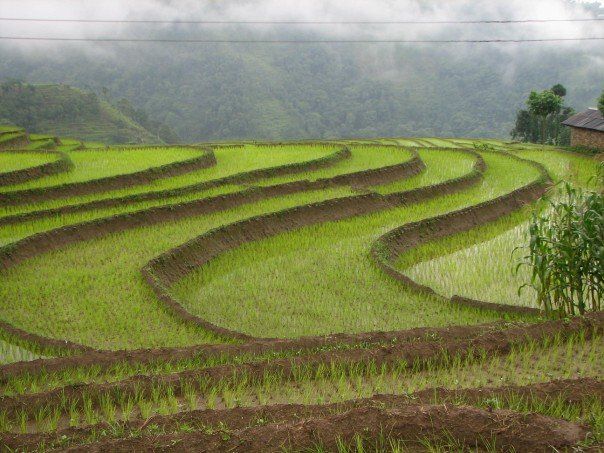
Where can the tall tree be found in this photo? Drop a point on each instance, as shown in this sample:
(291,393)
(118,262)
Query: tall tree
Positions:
(559,90)
(543,105)
(601,103)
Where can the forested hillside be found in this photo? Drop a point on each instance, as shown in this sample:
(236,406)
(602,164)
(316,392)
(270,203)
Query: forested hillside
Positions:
(216,90)
(71,112)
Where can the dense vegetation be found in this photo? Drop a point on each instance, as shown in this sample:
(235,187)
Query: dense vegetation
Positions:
(215,92)
(540,122)
(75,113)
(566,253)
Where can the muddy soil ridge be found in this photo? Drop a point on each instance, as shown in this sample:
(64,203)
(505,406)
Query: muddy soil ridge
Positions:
(39,243)
(163,271)
(237,178)
(571,391)
(204,160)
(420,353)
(61,164)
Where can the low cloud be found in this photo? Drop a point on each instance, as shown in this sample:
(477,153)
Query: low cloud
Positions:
(296,10)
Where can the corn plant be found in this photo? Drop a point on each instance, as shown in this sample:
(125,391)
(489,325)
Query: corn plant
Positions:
(566,253)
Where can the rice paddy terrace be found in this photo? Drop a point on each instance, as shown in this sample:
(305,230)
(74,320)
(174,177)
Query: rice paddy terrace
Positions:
(311,296)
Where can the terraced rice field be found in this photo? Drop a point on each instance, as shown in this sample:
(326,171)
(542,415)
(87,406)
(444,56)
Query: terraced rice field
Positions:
(329,296)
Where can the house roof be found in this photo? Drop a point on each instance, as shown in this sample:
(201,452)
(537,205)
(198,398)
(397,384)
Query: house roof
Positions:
(589,119)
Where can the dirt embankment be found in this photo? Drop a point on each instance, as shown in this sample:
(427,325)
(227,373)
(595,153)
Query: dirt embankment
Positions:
(176,263)
(421,354)
(237,178)
(204,160)
(39,243)
(61,164)
(465,427)
(107,359)
(17,142)
(468,427)
(570,391)
(391,245)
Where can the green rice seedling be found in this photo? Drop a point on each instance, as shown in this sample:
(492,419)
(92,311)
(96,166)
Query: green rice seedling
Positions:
(89,414)
(99,164)
(145,409)
(230,161)
(5,424)
(41,415)
(19,160)
(22,419)
(273,291)
(229,398)
(167,404)
(6,137)
(190,395)
(526,364)
(440,165)
(477,269)
(339,383)
(363,157)
(211,399)
(74,413)
(52,421)
(11,352)
(108,408)
(127,408)
(41,144)
(576,169)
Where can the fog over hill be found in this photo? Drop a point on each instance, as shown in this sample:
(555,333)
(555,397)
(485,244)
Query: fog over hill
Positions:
(215,91)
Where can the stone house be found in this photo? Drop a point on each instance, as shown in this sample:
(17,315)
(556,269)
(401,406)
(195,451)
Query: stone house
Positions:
(587,129)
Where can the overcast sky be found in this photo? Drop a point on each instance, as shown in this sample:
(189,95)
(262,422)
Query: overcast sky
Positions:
(308,10)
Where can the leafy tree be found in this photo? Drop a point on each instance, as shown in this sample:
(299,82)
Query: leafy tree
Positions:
(601,103)
(543,105)
(526,128)
(559,90)
(541,123)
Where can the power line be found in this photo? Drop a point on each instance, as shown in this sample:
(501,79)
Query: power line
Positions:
(293,41)
(298,22)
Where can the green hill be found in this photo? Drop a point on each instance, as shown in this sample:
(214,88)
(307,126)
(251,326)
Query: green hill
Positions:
(68,111)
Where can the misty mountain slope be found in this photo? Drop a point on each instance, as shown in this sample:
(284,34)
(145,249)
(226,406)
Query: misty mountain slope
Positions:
(69,112)
(318,91)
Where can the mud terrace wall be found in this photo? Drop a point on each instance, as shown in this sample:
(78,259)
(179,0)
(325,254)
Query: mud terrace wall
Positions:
(173,265)
(206,159)
(569,390)
(331,159)
(105,359)
(390,246)
(423,353)
(61,164)
(39,243)
(15,143)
